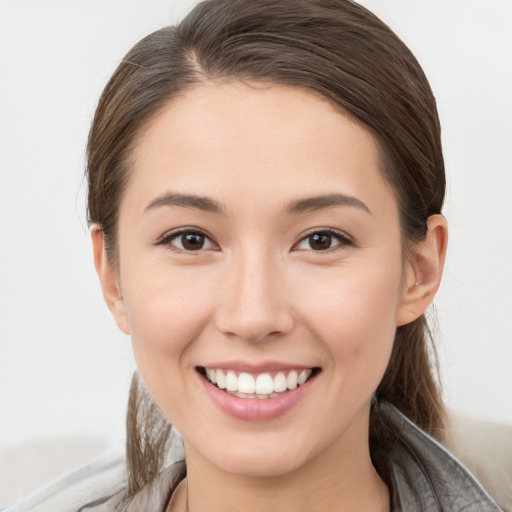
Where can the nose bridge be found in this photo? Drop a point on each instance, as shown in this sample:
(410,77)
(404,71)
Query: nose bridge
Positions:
(253,302)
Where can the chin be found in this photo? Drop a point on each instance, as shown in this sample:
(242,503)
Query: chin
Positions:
(261,455)
(261,466)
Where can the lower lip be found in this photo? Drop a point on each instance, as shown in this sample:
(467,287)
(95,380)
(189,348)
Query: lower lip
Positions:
(256,409)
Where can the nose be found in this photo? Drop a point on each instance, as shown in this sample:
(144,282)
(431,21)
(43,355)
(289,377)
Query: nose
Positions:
(254,305)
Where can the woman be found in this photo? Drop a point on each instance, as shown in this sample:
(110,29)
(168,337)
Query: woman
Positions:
(265,190)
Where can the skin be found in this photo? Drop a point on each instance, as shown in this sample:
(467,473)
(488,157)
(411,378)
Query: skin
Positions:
(259,292)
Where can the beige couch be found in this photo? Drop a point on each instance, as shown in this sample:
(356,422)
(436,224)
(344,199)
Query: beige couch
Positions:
(486,450)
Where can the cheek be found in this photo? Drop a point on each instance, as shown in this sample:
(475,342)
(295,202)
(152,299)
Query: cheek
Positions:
(353,312)
(165,306)
(166,310)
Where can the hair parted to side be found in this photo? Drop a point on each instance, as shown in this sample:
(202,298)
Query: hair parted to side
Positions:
(335,48)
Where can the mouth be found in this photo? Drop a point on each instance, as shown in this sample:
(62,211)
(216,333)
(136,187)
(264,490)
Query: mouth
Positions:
(263,385)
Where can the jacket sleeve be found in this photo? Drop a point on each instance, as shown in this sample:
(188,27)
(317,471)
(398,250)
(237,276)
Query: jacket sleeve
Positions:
(98,480)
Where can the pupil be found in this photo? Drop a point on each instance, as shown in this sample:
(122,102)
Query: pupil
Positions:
(320,242)
(192,241)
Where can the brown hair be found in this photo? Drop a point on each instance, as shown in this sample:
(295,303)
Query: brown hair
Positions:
(335,48)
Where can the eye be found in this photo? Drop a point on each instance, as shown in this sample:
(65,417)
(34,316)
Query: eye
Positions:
(187,241)
(323,241)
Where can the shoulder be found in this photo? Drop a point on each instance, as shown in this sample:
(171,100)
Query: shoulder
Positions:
(101,486)
(97,481)
(428,477)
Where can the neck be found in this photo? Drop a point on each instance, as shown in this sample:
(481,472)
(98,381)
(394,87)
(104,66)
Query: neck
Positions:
(340,478)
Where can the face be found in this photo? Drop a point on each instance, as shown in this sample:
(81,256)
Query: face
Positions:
(259,250)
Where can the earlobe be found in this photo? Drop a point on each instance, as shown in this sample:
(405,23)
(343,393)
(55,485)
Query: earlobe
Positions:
(108,280)
(425,269)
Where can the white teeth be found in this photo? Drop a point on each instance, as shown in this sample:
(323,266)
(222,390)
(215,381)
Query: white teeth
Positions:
(280,384)
(261,386)
(291,380)
(241,395)
(246,383)
(212,375)
(231,382)
(264,384)
(303,376)
(221,380)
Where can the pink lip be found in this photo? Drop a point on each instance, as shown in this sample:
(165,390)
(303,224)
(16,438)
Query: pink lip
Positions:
(255,409)
(265,367)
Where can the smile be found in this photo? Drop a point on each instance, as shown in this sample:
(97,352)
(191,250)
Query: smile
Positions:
(250,394)
(261,386)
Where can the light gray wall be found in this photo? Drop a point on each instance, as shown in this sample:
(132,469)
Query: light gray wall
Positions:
(64,368)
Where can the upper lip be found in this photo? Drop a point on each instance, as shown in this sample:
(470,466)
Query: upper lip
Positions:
(267,366)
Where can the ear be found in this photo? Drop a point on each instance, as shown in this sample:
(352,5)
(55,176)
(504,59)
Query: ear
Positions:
(108,279)
(424,271)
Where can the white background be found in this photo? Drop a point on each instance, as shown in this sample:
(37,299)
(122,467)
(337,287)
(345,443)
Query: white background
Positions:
(64,368)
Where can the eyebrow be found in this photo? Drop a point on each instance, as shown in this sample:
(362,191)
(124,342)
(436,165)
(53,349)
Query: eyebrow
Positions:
(186,200)
(298,206)
(310,204)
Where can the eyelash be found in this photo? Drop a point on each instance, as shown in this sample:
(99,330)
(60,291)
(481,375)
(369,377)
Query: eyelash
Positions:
(169,237)
(343,239)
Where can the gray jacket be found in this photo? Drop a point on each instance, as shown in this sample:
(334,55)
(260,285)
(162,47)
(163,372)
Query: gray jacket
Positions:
(424,478)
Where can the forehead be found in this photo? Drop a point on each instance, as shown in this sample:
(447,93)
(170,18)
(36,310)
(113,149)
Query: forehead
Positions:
(218,138)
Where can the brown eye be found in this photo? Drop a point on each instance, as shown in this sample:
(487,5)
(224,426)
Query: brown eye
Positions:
(323,241)
(320,241)
(192,241)
(187,241)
